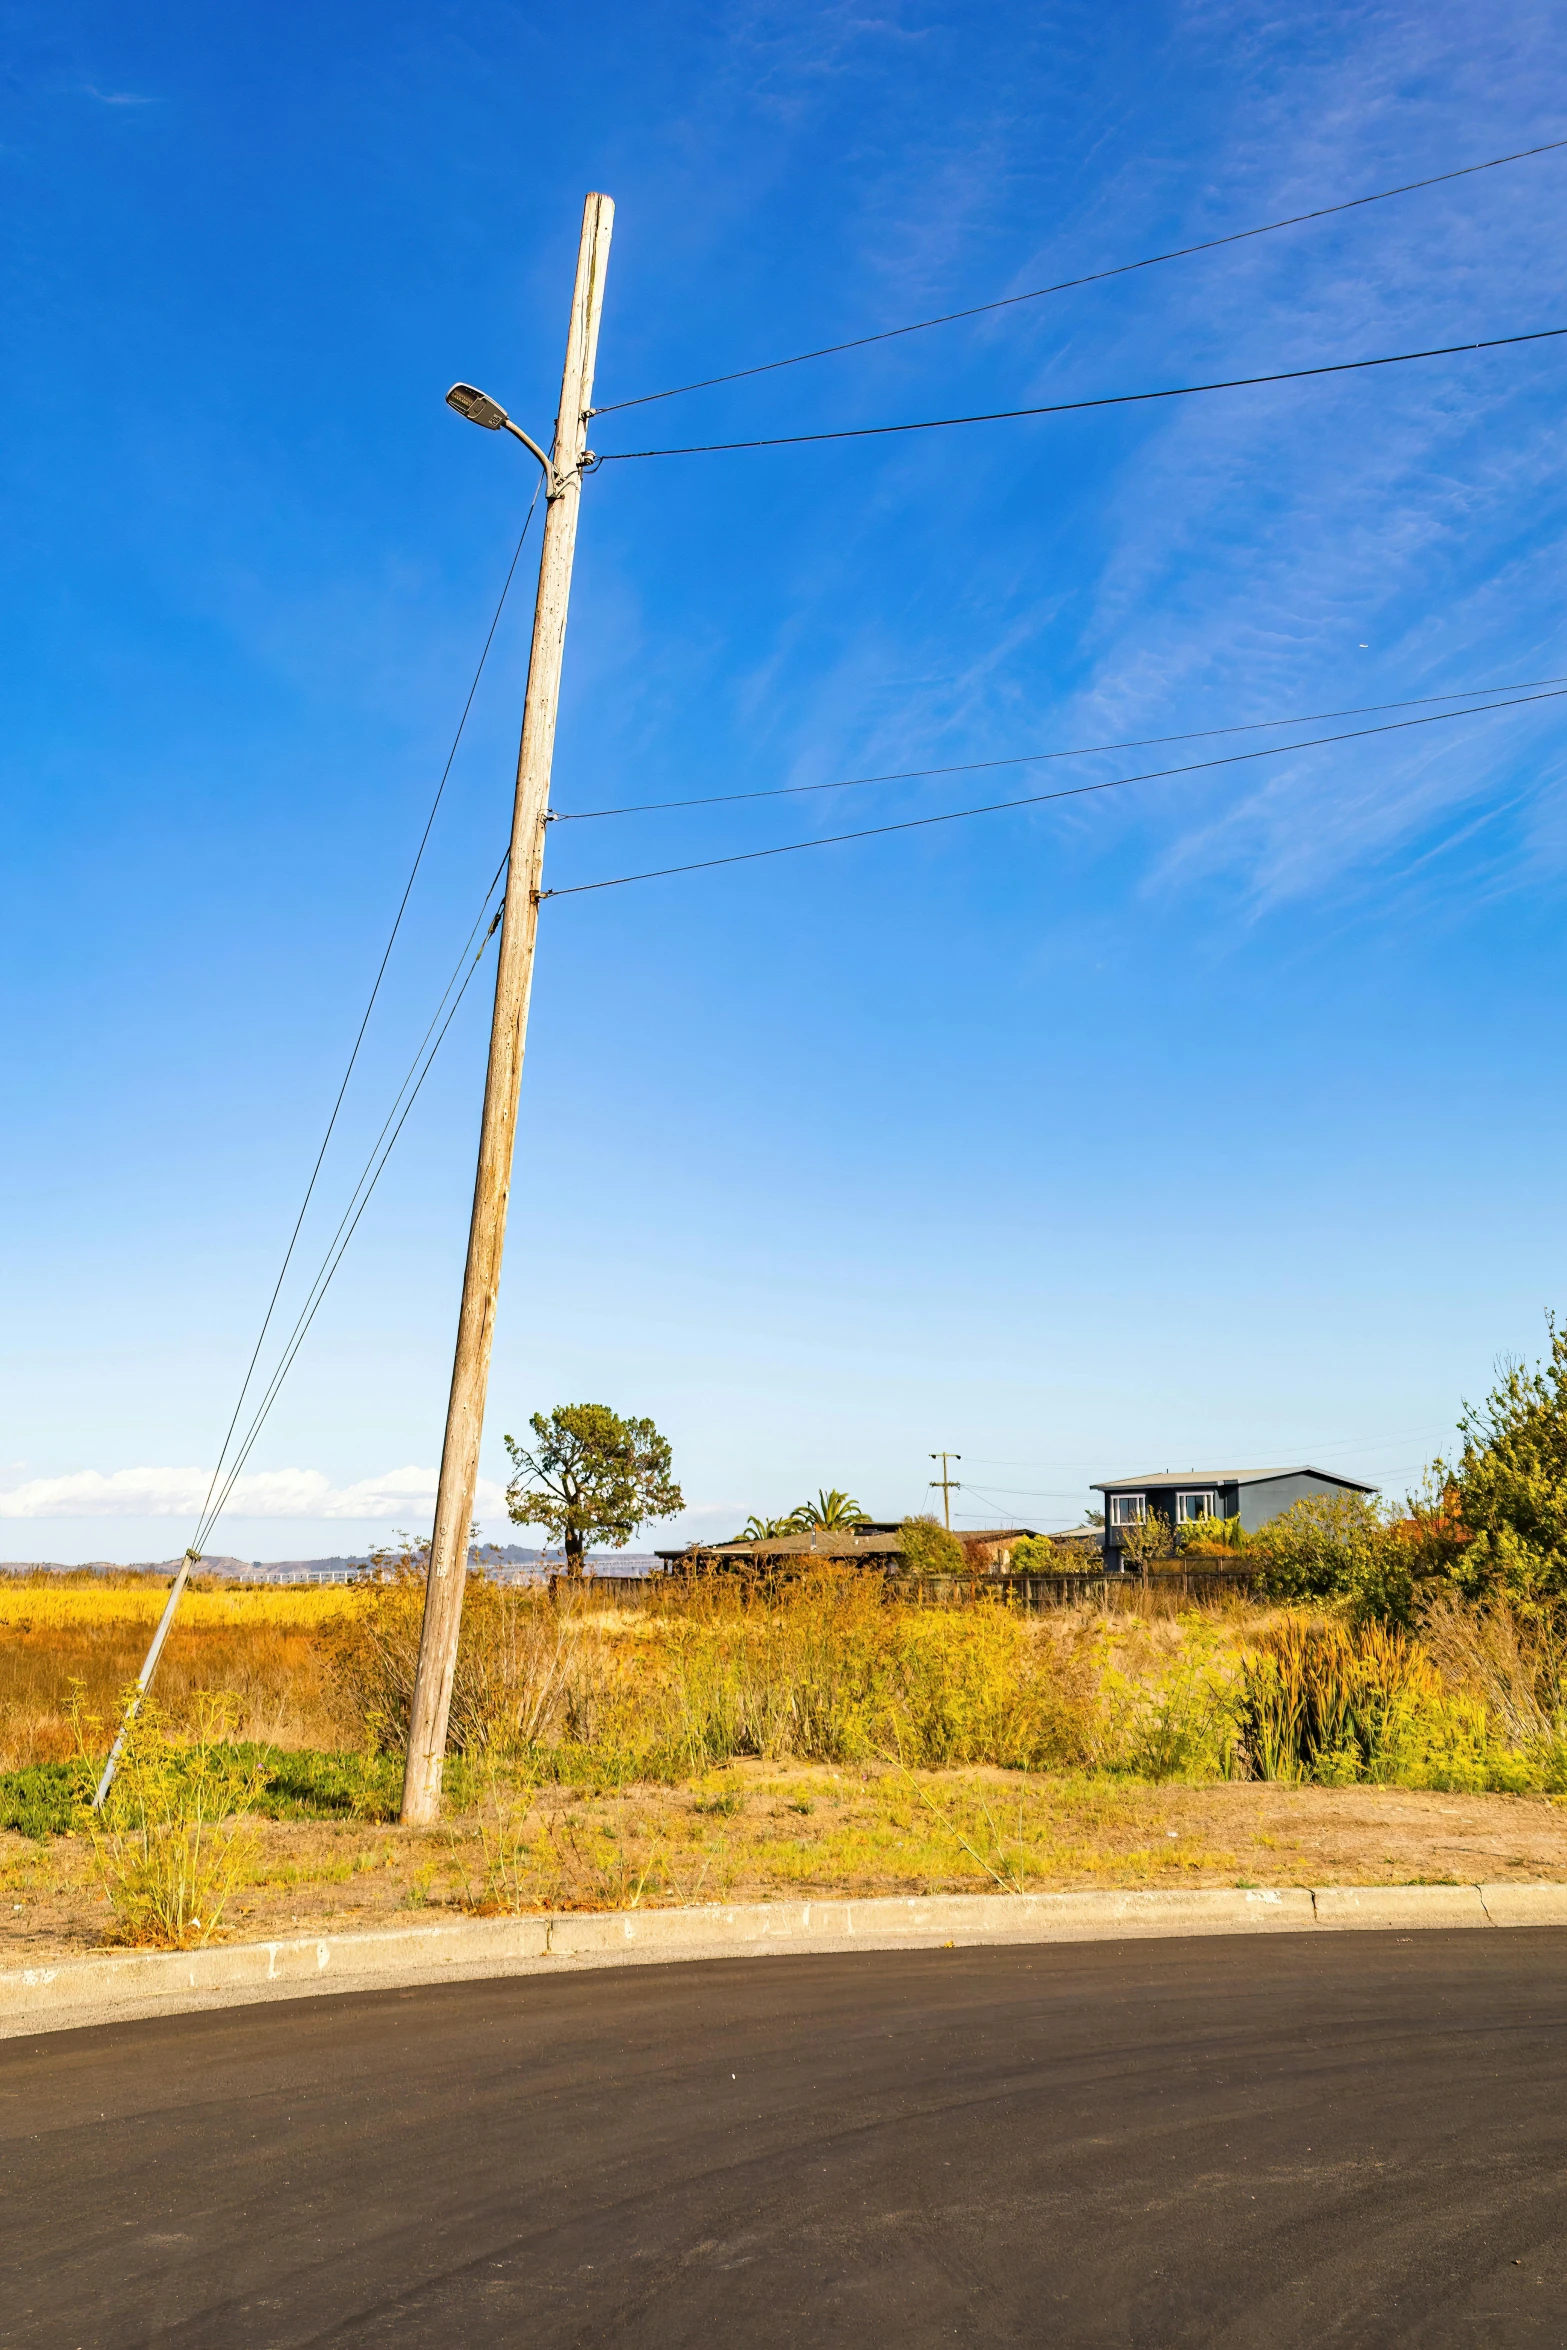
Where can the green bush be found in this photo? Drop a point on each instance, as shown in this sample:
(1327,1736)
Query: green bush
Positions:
(46,1799)
(1212,1537)
(930,1549)
(1339,1546)
(1036,1554)
(1505,1515)
(49,1799)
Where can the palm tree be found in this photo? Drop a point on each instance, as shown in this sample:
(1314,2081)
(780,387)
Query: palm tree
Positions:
(832,1510)
(769,1529)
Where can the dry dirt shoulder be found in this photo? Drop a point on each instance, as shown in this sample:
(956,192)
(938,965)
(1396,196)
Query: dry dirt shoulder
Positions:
(752,1832)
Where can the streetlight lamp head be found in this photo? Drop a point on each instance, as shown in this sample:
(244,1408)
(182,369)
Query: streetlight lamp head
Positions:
(477,406)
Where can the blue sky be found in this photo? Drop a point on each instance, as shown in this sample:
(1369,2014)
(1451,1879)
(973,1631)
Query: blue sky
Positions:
(1214,1121)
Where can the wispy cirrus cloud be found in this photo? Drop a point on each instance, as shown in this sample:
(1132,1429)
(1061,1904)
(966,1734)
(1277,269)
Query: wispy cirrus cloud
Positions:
(117,97)
(268,1493)
(1402,529)
(1239,556)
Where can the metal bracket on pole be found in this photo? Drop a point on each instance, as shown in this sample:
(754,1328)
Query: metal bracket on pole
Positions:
(554,483)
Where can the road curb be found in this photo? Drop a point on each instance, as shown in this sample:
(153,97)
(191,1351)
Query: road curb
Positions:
(63,1994)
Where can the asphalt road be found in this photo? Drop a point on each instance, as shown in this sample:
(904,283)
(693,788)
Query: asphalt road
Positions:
(1344,2140)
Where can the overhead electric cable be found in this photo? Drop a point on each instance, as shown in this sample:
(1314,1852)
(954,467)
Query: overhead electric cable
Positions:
(212,1509)
(370,1175)
(299,1340)
(375,990)
(1040,1492)
(303,1327)
(1147,742)
(1230,383)
(1093,278)
(1037,799)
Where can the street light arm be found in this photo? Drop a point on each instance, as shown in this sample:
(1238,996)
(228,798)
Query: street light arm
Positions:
(554,482)
(550,475)
(490,416)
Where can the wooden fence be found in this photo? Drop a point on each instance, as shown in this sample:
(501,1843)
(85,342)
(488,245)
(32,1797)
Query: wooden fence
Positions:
(1161,1591)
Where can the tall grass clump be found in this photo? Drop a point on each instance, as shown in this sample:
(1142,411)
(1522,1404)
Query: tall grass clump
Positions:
(1174,1718)
(173,1839)
(1512,1659)
(828,1669)
(1339,1703)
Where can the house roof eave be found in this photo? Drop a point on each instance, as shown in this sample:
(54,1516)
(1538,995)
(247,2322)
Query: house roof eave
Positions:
(1196,1477)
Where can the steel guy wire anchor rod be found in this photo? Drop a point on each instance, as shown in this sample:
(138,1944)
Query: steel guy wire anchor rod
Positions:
(191,1559)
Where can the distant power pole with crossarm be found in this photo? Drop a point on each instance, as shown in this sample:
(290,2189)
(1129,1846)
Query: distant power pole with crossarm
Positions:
(949,1484)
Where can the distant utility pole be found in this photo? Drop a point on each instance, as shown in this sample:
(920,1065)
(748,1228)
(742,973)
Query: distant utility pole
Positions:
(449,1542)
(949,1485)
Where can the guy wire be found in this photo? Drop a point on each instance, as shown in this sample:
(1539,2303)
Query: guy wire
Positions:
(1038,799)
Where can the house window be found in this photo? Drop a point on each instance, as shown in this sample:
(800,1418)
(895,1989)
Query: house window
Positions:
(1127,1509)
(1189,1506)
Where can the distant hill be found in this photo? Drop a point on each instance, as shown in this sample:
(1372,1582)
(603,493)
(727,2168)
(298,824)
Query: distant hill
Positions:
(497,1554)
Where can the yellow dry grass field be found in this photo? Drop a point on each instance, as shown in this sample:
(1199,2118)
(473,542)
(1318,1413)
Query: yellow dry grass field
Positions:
(723,1745)
(260,1642)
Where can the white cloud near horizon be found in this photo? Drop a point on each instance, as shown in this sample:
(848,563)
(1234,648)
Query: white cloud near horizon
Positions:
(268,1493)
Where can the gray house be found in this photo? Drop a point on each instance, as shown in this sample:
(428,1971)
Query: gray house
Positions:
(1180,1496)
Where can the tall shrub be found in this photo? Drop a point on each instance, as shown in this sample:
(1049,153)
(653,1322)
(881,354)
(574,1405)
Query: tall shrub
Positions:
(1343,1546)
(1507,1494)
(929,1549)
(513,1682)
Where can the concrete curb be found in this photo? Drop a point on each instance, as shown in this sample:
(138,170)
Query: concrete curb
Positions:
(62,1994)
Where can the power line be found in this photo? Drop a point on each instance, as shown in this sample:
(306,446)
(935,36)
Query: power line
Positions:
(1094,278)
(986,1462)
(375,990)
(369,1176)
(1023,1492)
(1038,799)
(1146,742)
(212,1509)
(1232,383)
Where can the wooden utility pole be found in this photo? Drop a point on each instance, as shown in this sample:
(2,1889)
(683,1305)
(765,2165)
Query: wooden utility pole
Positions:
(449,1542)
(949,1485)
